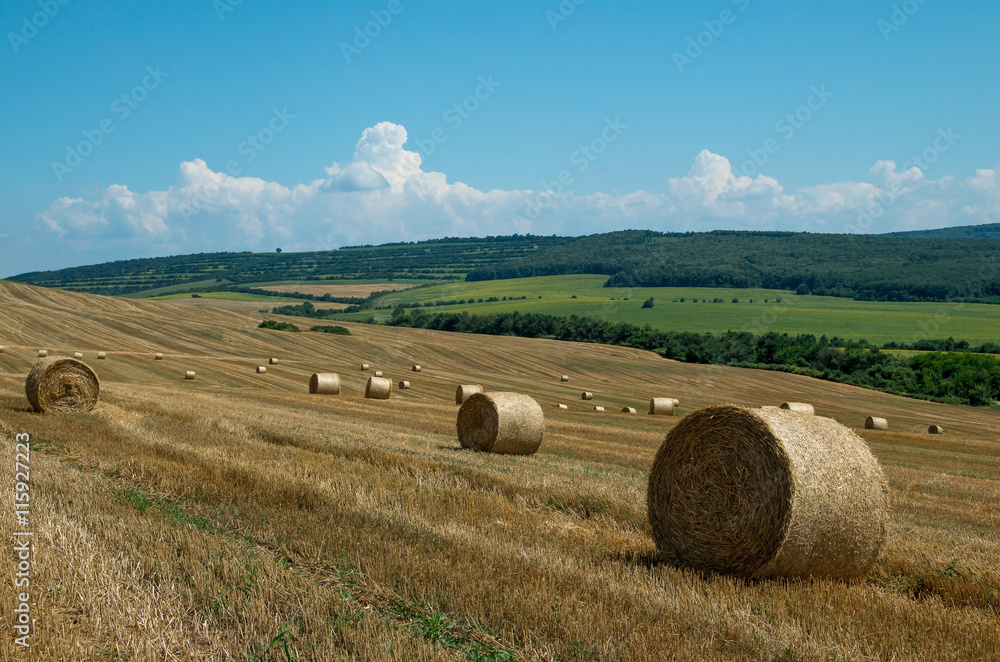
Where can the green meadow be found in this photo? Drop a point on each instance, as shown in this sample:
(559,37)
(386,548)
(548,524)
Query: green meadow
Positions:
(684,309)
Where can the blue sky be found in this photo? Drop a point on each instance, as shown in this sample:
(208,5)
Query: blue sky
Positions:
(155,128)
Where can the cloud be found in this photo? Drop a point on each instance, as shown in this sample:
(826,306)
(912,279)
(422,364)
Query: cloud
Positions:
(383,194)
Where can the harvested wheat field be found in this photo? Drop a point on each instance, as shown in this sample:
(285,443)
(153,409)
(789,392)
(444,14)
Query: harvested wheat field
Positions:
(240,518)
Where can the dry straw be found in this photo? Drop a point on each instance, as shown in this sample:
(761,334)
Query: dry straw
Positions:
(463,392)
(158,356)
(935,429)
(767,493)
(800,407)
(404,386)
(378,388)
(101,356)
(876,423)
(189,375)
(325,383)
(417,368)
(77,355)
(661,407)
(586,395)
(508,423)
(261,370)
(62,385)
(629,410)
(564,378)
(272,361)
(42,353)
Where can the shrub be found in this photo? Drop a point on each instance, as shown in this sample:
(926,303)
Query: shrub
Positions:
(335,330)
(278,326)
(648,303)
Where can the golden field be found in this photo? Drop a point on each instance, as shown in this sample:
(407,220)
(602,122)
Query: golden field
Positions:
(236,517)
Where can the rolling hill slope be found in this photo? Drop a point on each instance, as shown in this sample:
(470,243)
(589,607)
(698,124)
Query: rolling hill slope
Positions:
(210,519)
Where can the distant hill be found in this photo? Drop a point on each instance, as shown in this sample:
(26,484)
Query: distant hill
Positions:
(865,267)
(990,231)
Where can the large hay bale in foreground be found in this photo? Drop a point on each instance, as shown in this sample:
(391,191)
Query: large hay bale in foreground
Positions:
(508,423)
(767,493)
(62,385)
(586,395)
(876,423)
(935,429)
(325,383)
(661,407)
(378,388)
(189,375)
(463,392)
(800,407)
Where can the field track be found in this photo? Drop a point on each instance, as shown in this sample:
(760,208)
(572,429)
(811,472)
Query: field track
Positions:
(203,519)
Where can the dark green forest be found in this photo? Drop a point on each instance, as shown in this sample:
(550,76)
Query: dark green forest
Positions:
(957,377)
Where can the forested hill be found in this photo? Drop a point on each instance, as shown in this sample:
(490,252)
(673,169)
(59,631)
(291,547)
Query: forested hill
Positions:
(991,231)
(866,267)
(858,266)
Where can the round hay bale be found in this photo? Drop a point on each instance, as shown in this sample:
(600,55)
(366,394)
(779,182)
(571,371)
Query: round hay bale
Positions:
(935,429)
(77,355)
(564,378)
(598,408)
(801,407)
(677,403)
(378,373)
(661,407)
(561,407)
(325,383)
(767,493)
(508,423)
(62,385)
(101,356)
(272,361)
(629,410)
(261,370)
(189,375)
(404,386)
(158,356)
(586,395)
(417,368)
(42,353)
(365,366)
(2,349)
(463,392)
(876,423)
(378,388)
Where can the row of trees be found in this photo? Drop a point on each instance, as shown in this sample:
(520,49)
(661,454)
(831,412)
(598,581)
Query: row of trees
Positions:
(961,377)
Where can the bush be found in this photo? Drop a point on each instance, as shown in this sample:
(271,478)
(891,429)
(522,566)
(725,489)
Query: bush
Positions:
(736,300)
(648,303)
(278,326)
(335,330)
